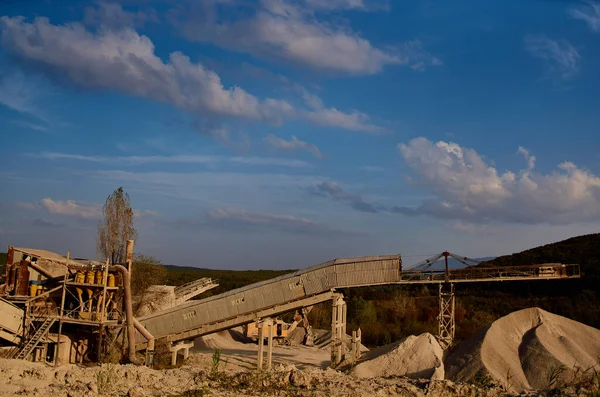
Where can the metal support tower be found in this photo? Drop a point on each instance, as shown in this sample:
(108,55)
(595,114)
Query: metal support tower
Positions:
(446,317)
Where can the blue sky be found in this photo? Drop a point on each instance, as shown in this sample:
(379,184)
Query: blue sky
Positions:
(280,134)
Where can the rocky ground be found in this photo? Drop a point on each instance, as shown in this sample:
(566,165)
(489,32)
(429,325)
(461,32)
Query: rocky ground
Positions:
(22,378)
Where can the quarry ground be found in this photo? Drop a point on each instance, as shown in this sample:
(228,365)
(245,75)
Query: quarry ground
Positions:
(528,345)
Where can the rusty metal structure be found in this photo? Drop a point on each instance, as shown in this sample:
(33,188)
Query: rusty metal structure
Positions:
(77,301)
(57,309)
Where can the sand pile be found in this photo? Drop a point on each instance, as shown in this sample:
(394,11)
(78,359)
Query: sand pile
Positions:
(154,299)
(527,350)
(417,357)
(228,340)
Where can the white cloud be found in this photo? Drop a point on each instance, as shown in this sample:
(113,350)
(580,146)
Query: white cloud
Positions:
(72,208)
(234,219)
(177,159)
(75,209)
(360,5)
(334,191)
(319,114)
(469,189)
(589,13)
(22,94)
(293,144)
(471,228)
(111,15)
(280,29)
(125,61)
(560,57)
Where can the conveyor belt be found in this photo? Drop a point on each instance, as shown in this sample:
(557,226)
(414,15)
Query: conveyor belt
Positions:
(314,285)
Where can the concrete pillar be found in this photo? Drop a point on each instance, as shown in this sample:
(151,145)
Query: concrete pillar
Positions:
(334,333)
(183,345)
(261,345)
(270,346)
(265,329)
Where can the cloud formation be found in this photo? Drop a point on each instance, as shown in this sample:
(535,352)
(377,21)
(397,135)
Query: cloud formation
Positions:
(332,117)
(469,189)
(560,57)
(361,5)
(281,29)
(589,13)
(333,190)
(111,15)
(177,159)
(291,145)
(124,61)
(72,208)
(238,220)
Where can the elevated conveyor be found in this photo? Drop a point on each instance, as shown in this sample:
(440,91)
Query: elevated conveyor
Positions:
(314,285)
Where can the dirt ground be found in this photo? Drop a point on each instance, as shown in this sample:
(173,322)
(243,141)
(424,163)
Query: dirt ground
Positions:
(520,342)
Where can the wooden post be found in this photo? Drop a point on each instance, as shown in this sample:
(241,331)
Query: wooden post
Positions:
(129,256)
(60,313)
(174,358)
(261,346)
(334,340)
(270,345)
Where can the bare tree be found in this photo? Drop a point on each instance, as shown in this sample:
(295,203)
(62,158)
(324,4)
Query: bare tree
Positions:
(116,227)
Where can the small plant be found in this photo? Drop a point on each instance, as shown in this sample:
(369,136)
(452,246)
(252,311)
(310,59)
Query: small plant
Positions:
(216,359)
(105,377)
(509,381)
(555,375)
(483,380)
(113,355)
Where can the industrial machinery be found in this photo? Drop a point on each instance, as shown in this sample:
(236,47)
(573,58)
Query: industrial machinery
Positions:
(280,334)
(70,309)
(67,310)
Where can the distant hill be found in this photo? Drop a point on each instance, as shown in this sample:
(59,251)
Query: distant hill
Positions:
(583,250)
(228,279)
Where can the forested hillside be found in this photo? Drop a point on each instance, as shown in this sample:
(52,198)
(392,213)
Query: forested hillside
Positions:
(228,279)
(388,313)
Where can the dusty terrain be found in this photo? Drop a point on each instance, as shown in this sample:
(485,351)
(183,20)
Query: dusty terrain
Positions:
(524,344)
(33,379)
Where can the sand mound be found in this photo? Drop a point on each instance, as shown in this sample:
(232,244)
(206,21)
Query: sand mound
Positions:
(414,357)
(228,340)
(526,349)
(154,299)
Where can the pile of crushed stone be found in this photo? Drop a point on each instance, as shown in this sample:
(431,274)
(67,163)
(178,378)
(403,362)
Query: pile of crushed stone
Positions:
(417,357)
(529,349)
(229,340)
(36,379)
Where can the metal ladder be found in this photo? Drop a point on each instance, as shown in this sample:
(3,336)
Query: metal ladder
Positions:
(35,339)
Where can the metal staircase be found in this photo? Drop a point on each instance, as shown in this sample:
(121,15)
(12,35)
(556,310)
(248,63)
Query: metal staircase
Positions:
(35,339)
